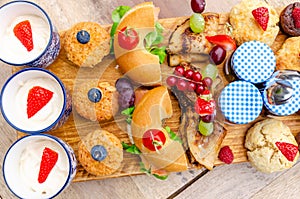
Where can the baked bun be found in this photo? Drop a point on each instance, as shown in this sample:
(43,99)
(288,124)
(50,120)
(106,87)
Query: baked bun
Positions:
(146,124)
(139,64)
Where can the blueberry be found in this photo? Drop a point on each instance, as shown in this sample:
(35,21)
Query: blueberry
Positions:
(83,37)
(98,152)
(95,95)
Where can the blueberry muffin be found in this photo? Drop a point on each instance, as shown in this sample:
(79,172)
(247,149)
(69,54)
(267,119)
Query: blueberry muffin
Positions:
(246,28)
(100,153)
(86,43)
(264,141)
(288,56)
(287,20)
(96,101)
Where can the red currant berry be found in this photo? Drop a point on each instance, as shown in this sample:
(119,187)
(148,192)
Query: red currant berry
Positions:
(191,86)
(179,70)
(189,74)
(207,81)
(171,81)
(181,85)
(197,77)
(199,89)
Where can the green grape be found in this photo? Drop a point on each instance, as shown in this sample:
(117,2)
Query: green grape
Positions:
(206,128)
(197,23)
(210,70)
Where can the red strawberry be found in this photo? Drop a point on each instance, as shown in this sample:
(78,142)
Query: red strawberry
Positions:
(225,41)
(48,161)
(296,17)
(288,150)
(23,32)
(261,15)
(205,107)
(37,98)
(226,155)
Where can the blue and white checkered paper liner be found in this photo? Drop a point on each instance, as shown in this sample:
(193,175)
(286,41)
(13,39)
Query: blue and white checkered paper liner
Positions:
(254,62)
(284,109)
(240,102)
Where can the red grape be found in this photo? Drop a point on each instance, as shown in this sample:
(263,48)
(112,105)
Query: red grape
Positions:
(217,55)
(179,70)
(207,81)
(171,80)
(208,118)
(189,74)
(198,6)
(182,85)
(197,76)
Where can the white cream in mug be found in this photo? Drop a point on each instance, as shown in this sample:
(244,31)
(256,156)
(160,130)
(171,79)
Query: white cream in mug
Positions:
(44,117)
(29,167)
(13,51)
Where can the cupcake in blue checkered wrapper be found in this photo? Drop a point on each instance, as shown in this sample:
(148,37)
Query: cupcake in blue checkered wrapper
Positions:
(254,62)
(240,102)
(293,104)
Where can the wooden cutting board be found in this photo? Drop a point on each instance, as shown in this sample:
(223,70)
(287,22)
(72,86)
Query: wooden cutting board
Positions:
(76,127)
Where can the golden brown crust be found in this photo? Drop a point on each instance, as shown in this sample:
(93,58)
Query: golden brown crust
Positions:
(148,114)
(288,56)
(101,111)
(114,153)
(91,53)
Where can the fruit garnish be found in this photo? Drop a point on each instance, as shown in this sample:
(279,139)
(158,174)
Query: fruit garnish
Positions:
(226,155)
(198,6)
(24,33)
(210,70)
(37,98)
(261,15)
(94,95)
(288,150)
(296,17)
(206,128)
(154,139)
(225,41)
(128,38)
(49,159)
(98,153)
(197,23)
(205,107)
(217,54)
(83,36)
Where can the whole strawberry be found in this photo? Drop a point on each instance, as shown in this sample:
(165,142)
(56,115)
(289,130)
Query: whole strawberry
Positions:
(24,33)
(37,98)
(261,15)
(226,155)
(48,161)
(288,150)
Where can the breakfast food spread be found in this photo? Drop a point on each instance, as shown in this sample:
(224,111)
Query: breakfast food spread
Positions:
(86,43)
(249,14)
(43,168)
(96,101)
(271,146)
(39,102)
(26,36)
(100,153)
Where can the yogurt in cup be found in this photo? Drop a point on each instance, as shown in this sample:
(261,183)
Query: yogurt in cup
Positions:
(22,166)
(26,105)
(42,47)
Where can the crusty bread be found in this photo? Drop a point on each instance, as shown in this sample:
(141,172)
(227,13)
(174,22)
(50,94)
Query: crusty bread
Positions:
(155,106)
(139,64)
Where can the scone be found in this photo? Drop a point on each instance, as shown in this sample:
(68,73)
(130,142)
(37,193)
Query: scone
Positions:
(86,43)
(100,153)
(263,141)
(246,28)
(96,101)
(288,56)
(287,23)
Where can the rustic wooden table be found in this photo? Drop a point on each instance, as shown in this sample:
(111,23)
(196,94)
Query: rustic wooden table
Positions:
(227,181)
